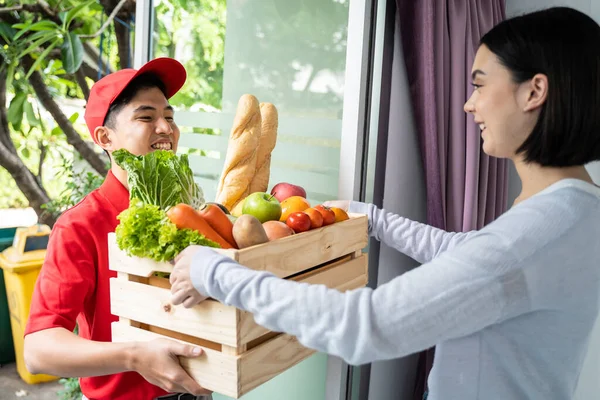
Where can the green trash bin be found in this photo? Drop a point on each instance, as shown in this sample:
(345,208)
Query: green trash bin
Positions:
(7,347)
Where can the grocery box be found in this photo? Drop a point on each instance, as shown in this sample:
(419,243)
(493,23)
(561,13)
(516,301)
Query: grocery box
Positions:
(239,354)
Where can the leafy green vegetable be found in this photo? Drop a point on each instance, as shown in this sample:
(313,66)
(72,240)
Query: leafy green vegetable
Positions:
(146,231)
(161,178)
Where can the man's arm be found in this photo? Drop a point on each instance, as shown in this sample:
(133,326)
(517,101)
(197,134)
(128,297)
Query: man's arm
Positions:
(66,281)
(419,241)
(57,351)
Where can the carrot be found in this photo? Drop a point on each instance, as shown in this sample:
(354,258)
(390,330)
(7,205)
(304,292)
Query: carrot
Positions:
(185,217)
(219,221)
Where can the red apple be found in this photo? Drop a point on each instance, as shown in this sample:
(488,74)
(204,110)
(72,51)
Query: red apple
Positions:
(277,229)
(298,221)
(284,190)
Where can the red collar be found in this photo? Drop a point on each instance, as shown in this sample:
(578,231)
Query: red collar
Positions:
(114,192)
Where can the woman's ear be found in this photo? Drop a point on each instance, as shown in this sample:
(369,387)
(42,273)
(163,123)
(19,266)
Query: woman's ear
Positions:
(536,92)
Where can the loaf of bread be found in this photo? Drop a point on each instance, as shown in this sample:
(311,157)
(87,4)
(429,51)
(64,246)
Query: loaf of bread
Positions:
(268,139)
(240,161)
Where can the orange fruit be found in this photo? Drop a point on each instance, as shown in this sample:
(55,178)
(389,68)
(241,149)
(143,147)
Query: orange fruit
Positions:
(340,215)
(291,205)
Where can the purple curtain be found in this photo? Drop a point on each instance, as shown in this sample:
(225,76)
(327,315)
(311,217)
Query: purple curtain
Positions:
(465,188)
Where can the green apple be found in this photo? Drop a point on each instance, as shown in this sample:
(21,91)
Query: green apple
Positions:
(262,206)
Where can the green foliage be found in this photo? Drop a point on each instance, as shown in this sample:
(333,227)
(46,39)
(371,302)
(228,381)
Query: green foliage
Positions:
(71,390)
(160,178)
(26,38)
(32,129)
(77,185)
(197,27)
(10,195)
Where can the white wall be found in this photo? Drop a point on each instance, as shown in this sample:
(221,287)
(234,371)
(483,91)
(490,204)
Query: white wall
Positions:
(515,7)
(589,384)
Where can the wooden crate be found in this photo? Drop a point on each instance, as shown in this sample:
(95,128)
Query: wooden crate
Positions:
(239,354)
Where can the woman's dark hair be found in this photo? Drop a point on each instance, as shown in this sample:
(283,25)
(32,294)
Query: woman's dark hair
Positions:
(564,45)
(144,81)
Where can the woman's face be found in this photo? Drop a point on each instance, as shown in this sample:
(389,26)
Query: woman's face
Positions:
(500,106)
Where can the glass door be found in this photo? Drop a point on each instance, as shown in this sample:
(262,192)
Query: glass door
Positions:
(307,58)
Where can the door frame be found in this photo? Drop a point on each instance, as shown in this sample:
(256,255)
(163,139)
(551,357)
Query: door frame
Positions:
(354,145)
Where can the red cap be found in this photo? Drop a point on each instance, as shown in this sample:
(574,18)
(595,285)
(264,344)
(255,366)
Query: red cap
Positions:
(107,89)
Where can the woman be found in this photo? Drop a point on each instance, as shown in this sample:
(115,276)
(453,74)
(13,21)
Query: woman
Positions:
(510,307)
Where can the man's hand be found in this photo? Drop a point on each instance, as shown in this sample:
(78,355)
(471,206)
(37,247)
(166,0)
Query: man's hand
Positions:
(182,289)
(157,361)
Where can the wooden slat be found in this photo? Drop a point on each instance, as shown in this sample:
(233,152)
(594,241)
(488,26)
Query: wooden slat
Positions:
(151,305)
(219,371)
(296,253)
(213,370)
(343,275)
(226,372)
(280,257)
(211,320)
(121,262)
(338,276)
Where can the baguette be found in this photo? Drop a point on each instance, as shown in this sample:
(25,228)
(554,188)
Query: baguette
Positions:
(240,161)
(268,140)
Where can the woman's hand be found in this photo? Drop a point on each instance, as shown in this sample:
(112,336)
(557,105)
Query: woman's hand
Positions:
(182,289)
(158,362)
(343,204)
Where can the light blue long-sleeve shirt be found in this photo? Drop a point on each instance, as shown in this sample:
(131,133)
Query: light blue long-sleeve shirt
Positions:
(510,307)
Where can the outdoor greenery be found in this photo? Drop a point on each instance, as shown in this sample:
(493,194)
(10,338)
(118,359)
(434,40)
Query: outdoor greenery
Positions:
(51,52)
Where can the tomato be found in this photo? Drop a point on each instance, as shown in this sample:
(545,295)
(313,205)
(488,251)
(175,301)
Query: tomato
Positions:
(298,221)
(316,219)
(327,213)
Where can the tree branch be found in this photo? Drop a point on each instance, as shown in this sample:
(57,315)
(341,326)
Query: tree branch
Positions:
(43,8)
(80,78)
(73,138)
(9,9)
(112,15)
(94,54)
(43,153)
(123,45)
(25,180)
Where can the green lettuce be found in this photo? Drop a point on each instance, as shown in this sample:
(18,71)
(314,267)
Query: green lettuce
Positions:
(146,231)
(160,178)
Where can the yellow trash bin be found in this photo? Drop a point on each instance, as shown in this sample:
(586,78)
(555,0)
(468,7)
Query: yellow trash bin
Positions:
(21,264)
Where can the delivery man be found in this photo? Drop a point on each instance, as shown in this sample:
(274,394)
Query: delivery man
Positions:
(128,109)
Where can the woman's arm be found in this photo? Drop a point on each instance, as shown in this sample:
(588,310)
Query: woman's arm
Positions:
(458,293)
(419,241)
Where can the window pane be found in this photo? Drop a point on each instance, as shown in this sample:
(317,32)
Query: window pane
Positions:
(289,53)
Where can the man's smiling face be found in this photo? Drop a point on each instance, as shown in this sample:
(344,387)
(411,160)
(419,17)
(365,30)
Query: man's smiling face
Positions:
(144,124)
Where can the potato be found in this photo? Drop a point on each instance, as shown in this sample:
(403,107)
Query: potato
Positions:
(248,231)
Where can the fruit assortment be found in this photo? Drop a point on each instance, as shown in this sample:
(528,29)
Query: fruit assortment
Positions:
(264,218)
(282,212)
(168,212)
